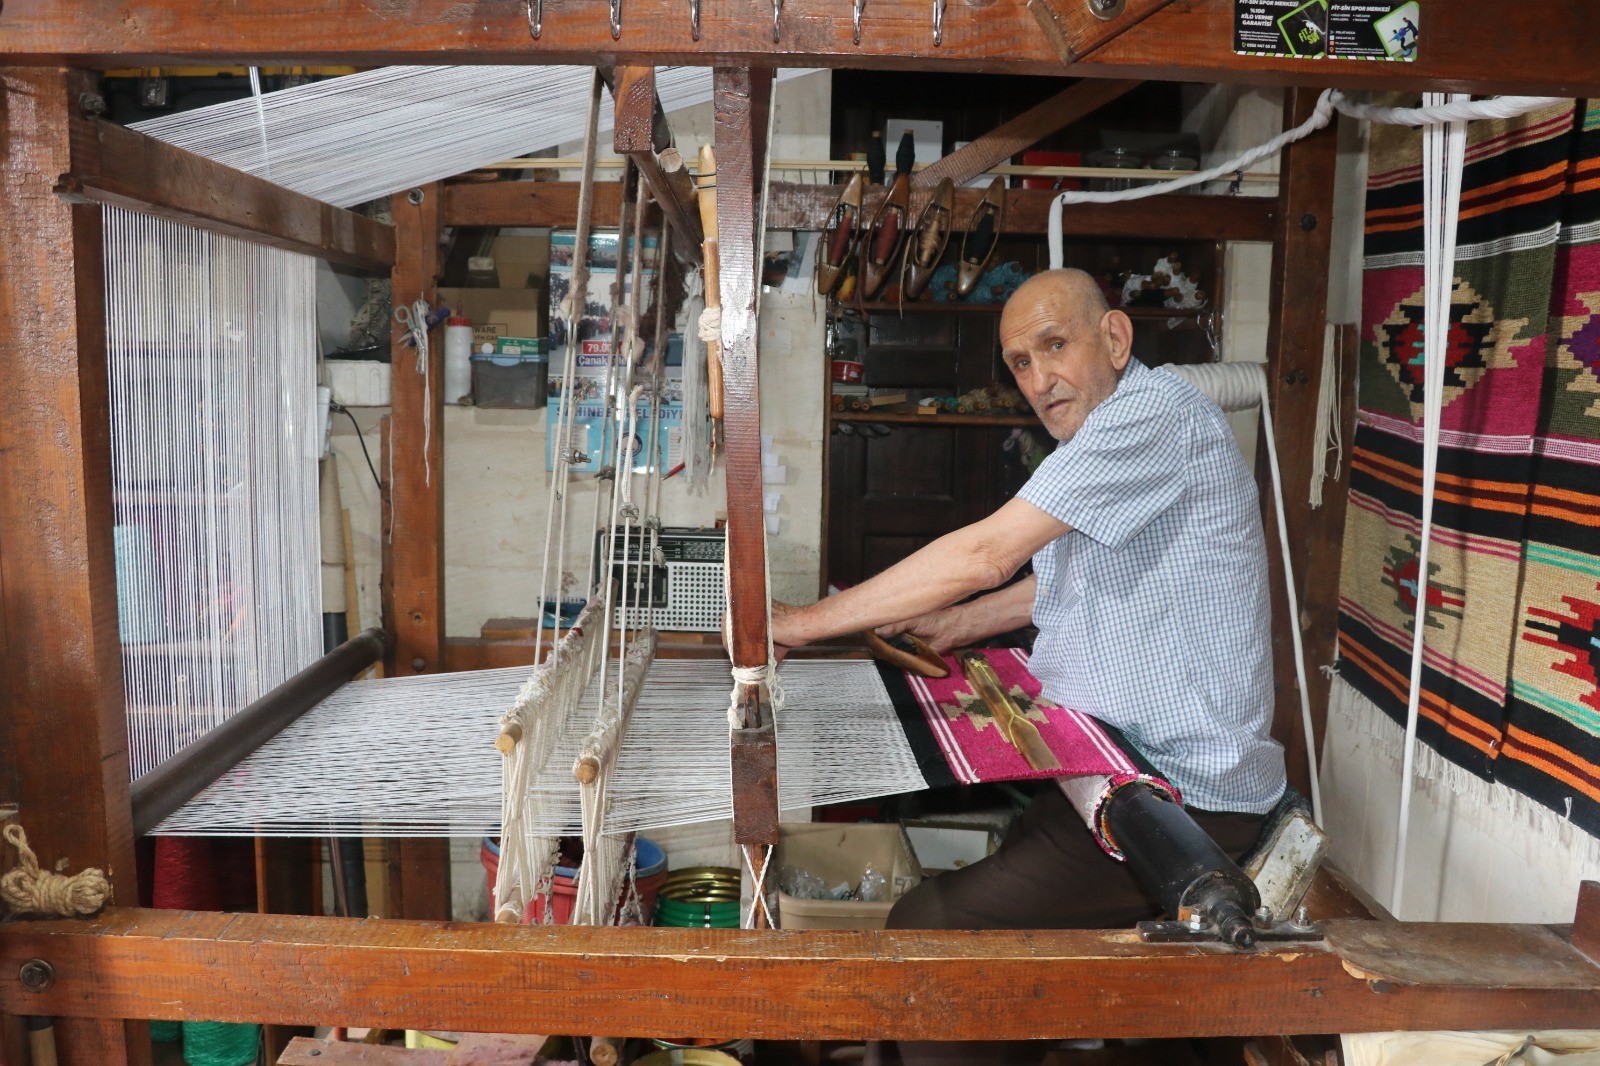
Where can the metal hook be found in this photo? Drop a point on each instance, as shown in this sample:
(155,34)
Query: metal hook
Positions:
(938,22)
(694,19)
(777,16)
(855,17)
(535,18)
(616,19)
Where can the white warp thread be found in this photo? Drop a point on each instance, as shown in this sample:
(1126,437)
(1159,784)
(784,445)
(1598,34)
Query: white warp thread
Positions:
(355,138)
(441,777)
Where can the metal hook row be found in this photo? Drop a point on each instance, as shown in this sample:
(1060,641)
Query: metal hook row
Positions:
(858,8)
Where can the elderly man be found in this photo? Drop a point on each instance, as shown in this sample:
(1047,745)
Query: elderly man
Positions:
(1149,592)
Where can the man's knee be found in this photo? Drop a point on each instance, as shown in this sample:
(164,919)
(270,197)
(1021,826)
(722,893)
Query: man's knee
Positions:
(920,908)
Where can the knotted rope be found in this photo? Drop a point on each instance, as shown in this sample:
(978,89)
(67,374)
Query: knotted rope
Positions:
(27,889)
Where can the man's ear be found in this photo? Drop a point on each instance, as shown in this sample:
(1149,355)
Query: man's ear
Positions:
(1118,330)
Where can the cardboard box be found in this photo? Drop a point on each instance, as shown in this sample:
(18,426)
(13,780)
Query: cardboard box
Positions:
(507,312)
(948,845)
(837,852)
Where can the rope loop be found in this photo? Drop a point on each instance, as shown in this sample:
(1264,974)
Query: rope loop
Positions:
(711,325)
(27,889)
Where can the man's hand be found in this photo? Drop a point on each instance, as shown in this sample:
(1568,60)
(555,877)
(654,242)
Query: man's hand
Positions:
(783,632)
(942,629)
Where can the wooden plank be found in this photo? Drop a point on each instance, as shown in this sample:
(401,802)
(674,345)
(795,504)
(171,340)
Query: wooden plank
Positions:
(419,870)
(528,203)
(1299,312)
(636,134)
(1076,28)
(1586,926)
(115,165)
(1534,46)
(797,985)
(62,723)
(1176,217)
(1026,130)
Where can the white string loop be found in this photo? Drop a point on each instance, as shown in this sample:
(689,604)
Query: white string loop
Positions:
(710,325)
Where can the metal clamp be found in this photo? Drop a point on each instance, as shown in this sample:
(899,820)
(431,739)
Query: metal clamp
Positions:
(616,19)
(777,19)
(535,18)
(694,19)
(938,22)
(855,17)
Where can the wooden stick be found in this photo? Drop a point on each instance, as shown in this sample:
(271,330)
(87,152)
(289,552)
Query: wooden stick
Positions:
(708,222)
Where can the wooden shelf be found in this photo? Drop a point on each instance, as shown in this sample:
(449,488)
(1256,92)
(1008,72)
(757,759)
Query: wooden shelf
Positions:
(938,308)
(904,418)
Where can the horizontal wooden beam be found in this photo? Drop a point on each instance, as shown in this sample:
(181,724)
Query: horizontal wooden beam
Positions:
(793,205)
(1178,218)
(528,203)
(790,985)
(1535,46)
(115,165)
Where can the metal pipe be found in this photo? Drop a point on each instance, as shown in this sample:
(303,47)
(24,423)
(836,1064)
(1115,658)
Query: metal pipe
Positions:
(192,770)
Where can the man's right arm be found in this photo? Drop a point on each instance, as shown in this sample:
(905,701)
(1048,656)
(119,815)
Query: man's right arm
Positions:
(967,623)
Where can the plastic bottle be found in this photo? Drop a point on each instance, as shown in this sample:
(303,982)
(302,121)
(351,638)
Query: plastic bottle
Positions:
(457,360)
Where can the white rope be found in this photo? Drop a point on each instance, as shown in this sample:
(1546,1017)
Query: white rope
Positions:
(1443,159)
(710,324)
(1330,101)
(1240,387)
(758,888)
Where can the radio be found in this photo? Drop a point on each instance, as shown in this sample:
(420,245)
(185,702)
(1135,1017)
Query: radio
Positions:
(686,581)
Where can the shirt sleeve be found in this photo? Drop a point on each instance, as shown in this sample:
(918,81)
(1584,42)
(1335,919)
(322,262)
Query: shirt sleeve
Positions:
(1124,467)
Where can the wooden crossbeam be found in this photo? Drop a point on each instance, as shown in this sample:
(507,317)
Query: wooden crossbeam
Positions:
(1024,131)
(1076,28)
(1192,41)
(115,165)
(639,133)
(995,984)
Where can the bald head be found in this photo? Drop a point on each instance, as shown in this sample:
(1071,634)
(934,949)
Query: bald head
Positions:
(1069,289)
(1065,346)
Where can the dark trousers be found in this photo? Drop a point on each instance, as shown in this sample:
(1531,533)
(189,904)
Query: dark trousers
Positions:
(1048,874)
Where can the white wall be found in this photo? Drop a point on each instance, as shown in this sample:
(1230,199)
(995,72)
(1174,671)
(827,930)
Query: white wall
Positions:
(1477,851)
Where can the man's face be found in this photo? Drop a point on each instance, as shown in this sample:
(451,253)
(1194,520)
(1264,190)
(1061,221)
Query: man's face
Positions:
(1065,362)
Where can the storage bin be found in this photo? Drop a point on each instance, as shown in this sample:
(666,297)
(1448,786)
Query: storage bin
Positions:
(837,853)
(510,379)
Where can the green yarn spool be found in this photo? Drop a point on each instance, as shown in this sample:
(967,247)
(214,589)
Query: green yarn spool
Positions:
(166,1032)
(220,1043)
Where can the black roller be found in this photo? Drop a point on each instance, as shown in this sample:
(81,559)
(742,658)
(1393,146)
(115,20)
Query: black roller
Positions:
(1177,863)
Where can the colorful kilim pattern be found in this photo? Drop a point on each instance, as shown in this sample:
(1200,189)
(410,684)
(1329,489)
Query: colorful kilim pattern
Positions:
(1511,673)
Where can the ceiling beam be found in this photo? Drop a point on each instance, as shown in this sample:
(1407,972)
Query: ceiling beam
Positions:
(1534,47)
(1026,130)
(826,984)
(115,165)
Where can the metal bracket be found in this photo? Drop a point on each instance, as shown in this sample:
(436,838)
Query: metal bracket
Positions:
(1197,930)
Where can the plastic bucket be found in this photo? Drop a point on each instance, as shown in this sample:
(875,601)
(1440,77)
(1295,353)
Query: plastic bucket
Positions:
(649,859)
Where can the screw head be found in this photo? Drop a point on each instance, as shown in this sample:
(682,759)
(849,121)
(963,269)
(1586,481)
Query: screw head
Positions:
(419,663)
(1308,222)
(92,104)
(36,975)
(414,196)
(1264,914)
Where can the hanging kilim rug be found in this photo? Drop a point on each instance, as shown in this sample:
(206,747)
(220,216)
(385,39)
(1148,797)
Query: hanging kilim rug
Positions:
(1512,642)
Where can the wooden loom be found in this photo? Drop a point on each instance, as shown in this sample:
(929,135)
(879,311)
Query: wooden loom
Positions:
(62,715)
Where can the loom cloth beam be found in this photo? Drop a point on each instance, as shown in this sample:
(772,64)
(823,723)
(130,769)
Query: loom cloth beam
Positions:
(188,773)
(804,984)
(1183,42)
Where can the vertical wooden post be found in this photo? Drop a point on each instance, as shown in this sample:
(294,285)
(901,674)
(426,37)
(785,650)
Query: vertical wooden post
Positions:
(419,869)
(741,104)
(1299,313)
(63,725)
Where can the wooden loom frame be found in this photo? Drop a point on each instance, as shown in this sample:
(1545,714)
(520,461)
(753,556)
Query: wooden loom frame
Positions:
(62,723)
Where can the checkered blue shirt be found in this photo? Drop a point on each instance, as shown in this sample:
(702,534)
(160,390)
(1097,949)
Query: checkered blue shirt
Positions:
(1153,611)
